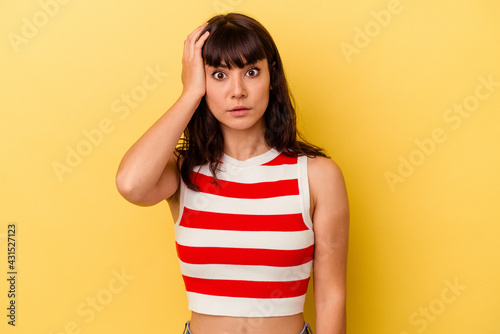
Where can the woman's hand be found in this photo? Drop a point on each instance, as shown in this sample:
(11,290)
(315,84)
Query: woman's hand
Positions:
(193,68)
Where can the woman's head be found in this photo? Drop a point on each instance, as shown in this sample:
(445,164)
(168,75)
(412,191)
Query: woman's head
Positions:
(236,41)
(236,56)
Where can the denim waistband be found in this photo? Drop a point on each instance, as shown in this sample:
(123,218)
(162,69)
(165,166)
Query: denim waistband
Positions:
(305,330)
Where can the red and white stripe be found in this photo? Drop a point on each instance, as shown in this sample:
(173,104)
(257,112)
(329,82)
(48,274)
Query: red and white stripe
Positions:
(245,244)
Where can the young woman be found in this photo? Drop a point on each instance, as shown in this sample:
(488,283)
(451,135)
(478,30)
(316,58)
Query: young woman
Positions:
(253,205)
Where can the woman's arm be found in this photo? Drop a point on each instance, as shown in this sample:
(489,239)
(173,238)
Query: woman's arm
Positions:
(148,173)
(331,230)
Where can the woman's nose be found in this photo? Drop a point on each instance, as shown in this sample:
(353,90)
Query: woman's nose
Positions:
(238,88)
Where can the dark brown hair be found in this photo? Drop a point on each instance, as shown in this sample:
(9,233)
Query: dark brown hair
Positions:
(238,40)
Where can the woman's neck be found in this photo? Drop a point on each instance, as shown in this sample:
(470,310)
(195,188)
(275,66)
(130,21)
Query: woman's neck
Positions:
(244,144)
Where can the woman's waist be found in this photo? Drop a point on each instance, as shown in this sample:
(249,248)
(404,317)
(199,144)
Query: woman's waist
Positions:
(210,324)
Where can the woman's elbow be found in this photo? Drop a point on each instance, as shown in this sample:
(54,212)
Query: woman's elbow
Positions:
(131,190)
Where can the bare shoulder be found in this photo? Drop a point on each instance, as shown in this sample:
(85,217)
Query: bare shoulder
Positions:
(324,171)
(326,183)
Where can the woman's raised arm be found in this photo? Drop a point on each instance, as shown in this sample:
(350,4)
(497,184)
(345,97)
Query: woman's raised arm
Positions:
(147,173)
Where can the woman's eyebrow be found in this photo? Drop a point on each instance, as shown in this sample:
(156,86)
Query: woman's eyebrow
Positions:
(222,65)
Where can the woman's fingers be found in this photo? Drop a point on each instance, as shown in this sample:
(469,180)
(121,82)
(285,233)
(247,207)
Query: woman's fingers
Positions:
(194,41)
(195,35)
(199,43)
(193,71)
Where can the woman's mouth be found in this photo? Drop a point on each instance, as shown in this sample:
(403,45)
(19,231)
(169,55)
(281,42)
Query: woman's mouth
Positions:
(239,110)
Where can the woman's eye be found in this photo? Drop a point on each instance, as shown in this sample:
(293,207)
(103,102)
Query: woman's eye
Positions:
(253,72)
(219,75)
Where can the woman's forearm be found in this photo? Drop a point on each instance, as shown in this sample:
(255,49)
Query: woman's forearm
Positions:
(331,317)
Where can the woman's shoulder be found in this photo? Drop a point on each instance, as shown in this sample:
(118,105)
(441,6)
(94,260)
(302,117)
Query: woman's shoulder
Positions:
(324,175)
(320,165)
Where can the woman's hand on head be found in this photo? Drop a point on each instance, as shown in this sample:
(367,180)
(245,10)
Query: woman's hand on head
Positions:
(193,68)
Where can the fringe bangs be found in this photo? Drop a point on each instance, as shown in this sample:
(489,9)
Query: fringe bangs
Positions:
(232,45)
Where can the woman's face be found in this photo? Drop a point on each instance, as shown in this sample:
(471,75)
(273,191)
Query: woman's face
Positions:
(238,97)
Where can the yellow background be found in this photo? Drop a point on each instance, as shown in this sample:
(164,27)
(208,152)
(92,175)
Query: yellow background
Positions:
(437,223)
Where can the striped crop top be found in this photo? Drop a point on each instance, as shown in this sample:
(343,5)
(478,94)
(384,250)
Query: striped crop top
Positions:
(246,244)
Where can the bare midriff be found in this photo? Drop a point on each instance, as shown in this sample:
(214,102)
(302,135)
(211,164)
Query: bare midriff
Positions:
(210,324)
